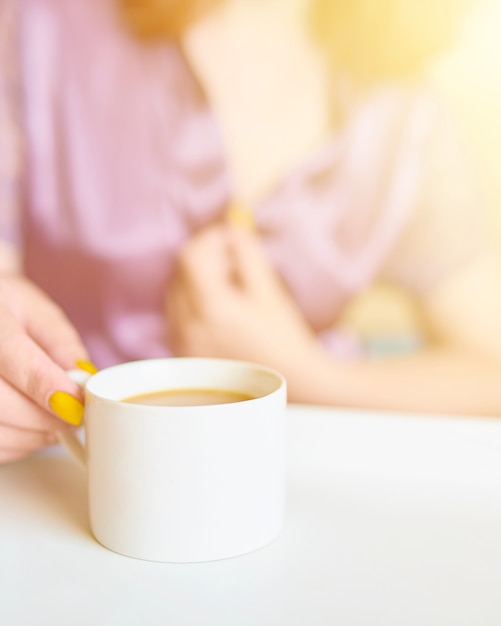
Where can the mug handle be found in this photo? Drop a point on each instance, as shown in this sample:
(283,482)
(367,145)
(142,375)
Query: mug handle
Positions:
(69,440)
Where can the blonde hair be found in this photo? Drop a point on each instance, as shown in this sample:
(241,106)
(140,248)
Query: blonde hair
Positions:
(157,19)
(375,40)
(372,40)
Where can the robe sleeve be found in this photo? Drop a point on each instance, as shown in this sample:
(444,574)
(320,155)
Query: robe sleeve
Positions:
(450,225)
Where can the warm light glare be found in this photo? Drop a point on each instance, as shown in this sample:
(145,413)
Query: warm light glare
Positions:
(470,74)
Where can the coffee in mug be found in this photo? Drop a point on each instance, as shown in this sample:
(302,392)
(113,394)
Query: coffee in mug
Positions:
(188,397)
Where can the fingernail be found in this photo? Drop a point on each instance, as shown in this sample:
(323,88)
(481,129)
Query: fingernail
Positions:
(67,407)
(87,366)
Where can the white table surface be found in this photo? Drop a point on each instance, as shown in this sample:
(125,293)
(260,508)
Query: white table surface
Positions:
(391,520)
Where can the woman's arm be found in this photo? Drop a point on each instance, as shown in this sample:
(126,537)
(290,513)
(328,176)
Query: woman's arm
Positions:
(459,372)
(227,301)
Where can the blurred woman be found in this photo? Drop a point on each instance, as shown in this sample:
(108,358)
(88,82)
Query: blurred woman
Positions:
(142,122)
(376,186)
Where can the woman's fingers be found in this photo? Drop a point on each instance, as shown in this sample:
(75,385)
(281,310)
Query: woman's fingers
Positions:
(25,366)
(203,283)
(23,439)
(180,313)
(203,264)
(25,312)
(9,456)
(251,265)
(19,411)
(37,345)
(46,323)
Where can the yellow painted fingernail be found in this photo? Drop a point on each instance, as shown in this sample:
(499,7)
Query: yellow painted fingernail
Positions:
(241,217)
(67,407)
(87,366)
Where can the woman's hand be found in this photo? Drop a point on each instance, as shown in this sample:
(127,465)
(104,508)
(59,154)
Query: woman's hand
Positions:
(37,345)
(227,301)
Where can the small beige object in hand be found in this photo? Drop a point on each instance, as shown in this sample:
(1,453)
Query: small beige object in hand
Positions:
(241,217)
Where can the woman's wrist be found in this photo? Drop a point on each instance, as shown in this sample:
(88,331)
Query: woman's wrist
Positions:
(313,377)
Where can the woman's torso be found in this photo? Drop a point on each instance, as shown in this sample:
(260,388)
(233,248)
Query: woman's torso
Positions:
(124,159)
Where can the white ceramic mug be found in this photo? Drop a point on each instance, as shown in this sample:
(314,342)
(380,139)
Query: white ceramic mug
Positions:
(184,483)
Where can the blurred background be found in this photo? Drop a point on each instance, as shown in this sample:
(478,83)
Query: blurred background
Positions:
(467,73)
(469,76)
(374,41)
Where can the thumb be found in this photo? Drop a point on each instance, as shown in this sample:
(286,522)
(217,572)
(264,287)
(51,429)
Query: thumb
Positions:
(252,267)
